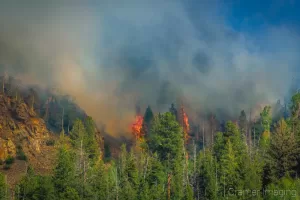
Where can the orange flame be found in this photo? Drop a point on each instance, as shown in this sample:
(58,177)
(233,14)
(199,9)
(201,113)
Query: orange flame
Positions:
(186,126)
(136,127)
(186,122)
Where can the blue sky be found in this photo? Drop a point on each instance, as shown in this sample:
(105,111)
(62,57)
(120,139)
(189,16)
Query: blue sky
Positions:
(254,15)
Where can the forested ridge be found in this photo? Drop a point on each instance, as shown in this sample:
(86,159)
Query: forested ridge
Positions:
(243,159)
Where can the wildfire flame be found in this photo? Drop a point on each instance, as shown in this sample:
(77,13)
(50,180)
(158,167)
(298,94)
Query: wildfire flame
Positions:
(186,122)
(186,125)
(136,127)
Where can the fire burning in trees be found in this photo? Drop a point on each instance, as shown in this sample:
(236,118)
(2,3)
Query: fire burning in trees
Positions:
(186,127)
(185,124)
(136,127)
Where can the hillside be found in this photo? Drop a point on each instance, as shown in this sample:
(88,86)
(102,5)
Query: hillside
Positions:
(23,136)
(30,124)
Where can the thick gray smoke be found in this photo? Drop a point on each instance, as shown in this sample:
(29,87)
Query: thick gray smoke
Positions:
(111,55)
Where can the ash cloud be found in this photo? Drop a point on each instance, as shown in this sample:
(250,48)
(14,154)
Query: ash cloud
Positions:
(112,56)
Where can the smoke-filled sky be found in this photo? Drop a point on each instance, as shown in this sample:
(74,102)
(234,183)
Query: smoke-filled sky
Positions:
(216,56)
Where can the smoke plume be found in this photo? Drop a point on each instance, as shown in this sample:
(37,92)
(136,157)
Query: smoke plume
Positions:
(112,56)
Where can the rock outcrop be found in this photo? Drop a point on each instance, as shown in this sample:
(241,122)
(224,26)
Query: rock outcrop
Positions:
(7,149)
(20,126)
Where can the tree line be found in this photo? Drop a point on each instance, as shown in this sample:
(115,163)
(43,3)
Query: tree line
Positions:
(242,162)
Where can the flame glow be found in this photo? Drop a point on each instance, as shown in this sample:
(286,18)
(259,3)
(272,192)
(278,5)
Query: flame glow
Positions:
(186,126)
(136,127)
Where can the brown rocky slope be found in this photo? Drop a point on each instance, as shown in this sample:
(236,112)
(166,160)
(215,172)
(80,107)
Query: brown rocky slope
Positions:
(24,137)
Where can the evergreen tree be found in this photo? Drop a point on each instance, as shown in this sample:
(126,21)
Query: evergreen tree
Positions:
(64,174)
(99,181)
(283,150)
(166,137)
(107,152)
(251,174)
(78,133)
(35,187)
(219,145)
(173,110)
(243,123)
(285,188)
(207,184)
(157,178)
(179,181)
(148,119)
(266,120)
(90,143)
(230,178)
(278,111)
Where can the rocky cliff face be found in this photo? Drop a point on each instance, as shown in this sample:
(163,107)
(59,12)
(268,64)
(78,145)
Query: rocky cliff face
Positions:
(20,128)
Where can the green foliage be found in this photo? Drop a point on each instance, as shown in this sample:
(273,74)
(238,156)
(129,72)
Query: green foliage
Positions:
(295,106)
(107,152)
(231,130)
(285,188)
(166,137)
(163,164)
(3,188)
(207,178)
(69,193)
(78,133)
(35,187)
(243,122)
(229,168)
(64,172)
(21,154)
(8,162)
(283,150)
(266,118)
(90,143)
(173,110)
(148,119)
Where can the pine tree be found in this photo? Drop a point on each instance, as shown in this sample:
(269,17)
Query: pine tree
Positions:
(219,145)
(128,174)
(207,184)
(166,137)
(230,178)
(283,150)
(148,119)
(78,133)
(285,188)
(99,181)
(266,120)
(251,174)
(173,110)
(34,186)
(243,123)
(278,112)
(90,143)
(157,178)
(64,174)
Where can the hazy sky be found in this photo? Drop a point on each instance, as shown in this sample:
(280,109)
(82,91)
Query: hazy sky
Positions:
(216,56)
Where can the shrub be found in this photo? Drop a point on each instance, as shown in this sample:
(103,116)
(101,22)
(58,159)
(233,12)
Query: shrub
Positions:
(7,166)
(21,155)
(50,142)
(9,161)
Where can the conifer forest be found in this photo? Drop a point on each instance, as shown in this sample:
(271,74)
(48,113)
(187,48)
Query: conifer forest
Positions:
(149,100)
